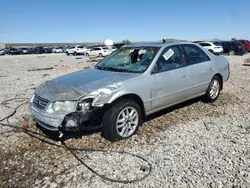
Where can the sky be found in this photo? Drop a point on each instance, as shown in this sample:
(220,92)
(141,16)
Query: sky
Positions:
(136,20)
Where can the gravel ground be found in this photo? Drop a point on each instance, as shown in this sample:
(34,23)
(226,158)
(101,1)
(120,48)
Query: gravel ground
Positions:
(190,145)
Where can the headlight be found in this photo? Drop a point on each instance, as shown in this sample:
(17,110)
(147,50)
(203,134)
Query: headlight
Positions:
(63,106)
(85,105)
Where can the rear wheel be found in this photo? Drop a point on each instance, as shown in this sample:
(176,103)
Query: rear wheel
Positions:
(211,51)
(121,121)
(100,55)
(231,52)
(87,54)
(75,53)
(213,90)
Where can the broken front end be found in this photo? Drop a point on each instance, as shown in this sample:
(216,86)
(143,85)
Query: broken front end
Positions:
(71,110)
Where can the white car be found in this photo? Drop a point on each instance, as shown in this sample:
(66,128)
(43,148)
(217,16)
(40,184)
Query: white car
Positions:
(99,51)
(112,48)
(57,50)
(76,50)
(212,47)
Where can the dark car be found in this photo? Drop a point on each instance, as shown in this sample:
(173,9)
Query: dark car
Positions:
(246,43)
(15,51)
(38,50)
(47,50)
(233,48)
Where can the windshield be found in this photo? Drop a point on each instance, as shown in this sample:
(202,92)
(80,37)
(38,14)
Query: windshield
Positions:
(129,59)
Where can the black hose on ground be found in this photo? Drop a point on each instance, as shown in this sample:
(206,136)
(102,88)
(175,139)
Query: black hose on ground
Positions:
(72,150)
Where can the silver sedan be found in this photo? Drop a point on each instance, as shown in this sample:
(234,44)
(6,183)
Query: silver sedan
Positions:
(126,86)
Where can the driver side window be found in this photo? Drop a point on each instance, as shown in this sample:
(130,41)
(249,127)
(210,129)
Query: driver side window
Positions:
(170,59)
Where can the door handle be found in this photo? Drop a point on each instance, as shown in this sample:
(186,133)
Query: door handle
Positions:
(211,68)
(185,76)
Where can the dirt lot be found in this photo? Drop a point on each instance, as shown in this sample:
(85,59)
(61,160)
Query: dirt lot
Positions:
(190,145)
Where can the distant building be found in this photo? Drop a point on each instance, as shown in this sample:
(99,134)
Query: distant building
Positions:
(2,45)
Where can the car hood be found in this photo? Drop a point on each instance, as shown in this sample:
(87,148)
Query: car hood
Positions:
(81,83)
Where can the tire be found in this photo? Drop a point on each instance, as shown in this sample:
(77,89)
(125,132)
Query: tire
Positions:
(231,52)
(75,53)
(211,51)
(100,55)
(87,54)
(213,90)
(117,112)
(67,53)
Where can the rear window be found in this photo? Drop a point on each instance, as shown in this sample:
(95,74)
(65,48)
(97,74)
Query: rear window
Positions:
(238,43)
(105,48)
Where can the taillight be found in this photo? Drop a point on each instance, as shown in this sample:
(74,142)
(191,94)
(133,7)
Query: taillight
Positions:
(239,47)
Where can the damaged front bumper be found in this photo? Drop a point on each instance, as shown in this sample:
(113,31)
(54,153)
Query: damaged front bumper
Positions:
(74,121)
(46,121)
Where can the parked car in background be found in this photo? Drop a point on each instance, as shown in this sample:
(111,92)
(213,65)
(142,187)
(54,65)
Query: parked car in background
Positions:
(121,90)
(15,51)
(77,50)
(57,50)
(99,51)
(88,48)
(25,51)
(38,50)
(112,48)
(212,47)
(65,48)
(2,52)
(246,44)
(233,48)
(47,50)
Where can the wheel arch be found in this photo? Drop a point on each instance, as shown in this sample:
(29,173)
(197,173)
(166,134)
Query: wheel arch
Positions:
(133,97)
(221,79)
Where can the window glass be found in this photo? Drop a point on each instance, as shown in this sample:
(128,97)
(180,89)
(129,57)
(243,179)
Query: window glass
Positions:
(195,54)
(171,58)
(130,59)
(205,44)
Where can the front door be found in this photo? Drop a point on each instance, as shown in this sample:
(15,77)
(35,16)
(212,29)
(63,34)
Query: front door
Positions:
(169,79)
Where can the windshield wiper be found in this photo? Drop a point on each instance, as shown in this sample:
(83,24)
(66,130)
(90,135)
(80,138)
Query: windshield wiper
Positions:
(110,68)
(116,69)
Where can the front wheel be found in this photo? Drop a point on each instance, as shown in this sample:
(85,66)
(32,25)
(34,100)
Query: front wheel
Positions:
(121,121)
(213,90)
(100,55)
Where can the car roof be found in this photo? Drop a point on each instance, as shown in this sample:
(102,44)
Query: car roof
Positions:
(155,44)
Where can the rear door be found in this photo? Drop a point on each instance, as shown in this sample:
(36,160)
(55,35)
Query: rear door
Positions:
(169,80)
(200,69)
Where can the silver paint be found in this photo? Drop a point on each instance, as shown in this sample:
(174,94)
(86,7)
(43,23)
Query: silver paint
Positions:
(157,91)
